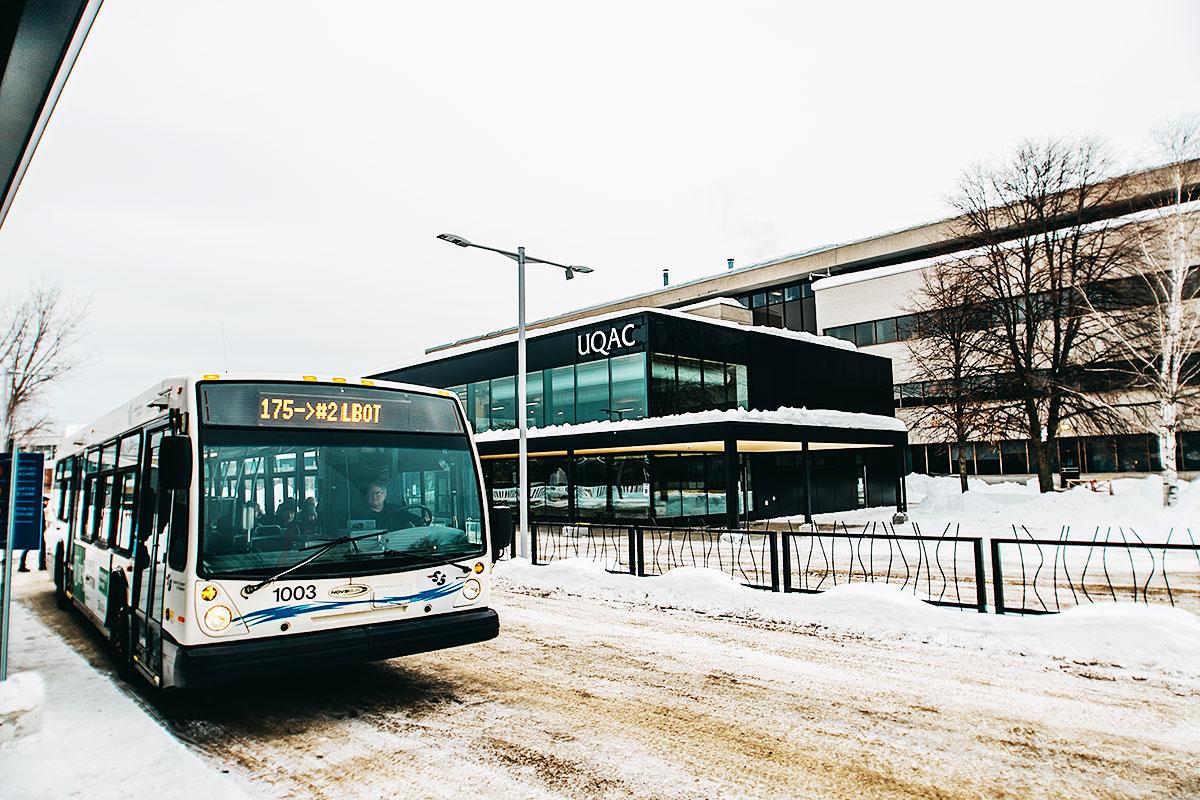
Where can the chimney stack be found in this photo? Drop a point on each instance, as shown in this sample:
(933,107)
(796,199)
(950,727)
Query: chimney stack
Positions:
(729,263)
(666,277)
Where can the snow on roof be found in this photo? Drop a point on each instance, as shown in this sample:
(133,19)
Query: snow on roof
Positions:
(713,301)
(486,344)
(815,418)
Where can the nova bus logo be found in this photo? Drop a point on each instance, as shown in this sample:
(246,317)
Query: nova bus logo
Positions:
(353,590)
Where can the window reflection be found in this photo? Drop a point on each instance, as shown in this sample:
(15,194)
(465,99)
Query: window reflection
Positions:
(628,392)
(561,388)
(504,403)
(534,400)
(591,487)
(591,391)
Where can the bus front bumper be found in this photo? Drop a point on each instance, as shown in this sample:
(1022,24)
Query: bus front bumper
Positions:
(204,665)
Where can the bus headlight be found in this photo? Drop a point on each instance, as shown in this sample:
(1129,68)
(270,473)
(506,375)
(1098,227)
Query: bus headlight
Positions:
(218,618)
(471,589)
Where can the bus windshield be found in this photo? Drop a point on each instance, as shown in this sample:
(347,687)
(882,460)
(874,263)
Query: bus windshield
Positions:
(271,497)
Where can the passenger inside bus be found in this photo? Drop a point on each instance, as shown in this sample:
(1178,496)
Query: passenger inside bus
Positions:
(284,514)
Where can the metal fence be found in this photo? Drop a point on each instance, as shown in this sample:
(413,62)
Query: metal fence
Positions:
(1028,575)
(945,570)
(1044,576)
(749,557)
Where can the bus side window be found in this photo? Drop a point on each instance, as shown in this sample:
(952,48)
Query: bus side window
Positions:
(126,504)
(60,488)
(177,539)
(102,510)
(83,521)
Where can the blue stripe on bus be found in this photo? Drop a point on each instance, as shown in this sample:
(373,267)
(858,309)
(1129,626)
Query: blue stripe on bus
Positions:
(285,612)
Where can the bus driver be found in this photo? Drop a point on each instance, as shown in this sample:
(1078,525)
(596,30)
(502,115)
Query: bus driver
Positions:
(386,515)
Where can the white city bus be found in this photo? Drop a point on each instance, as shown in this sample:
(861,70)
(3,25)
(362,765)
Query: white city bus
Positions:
(222,526)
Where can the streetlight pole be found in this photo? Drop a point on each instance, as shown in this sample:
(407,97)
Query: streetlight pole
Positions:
(522,417)
(569,271)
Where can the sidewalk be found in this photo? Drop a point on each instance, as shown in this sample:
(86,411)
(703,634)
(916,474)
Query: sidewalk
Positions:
(95,742)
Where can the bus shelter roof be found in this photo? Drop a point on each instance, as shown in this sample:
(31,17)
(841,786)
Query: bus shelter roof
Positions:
(785,429)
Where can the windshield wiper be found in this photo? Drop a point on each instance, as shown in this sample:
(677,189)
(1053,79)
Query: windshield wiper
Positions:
(321,549)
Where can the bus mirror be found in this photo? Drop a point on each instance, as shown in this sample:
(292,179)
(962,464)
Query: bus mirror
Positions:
(175,463)
(502,530)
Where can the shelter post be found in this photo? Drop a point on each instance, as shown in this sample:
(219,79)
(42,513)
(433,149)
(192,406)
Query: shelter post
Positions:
(807,481)
(731,483)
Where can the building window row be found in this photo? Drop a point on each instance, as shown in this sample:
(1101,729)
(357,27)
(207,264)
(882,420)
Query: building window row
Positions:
(679,384)
(879,331)
(791,306)
(1090,454)
(1111,295)
(1109,376)
(608,389)
(633,486)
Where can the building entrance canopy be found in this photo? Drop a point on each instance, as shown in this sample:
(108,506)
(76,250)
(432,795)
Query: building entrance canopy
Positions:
(734,436)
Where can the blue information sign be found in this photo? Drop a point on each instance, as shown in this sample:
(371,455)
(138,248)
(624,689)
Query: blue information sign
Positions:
(27,508)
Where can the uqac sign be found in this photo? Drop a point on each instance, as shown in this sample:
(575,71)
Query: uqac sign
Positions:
(607,342)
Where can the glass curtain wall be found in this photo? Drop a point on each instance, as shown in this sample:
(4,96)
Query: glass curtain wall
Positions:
(679,384)
(609,389)
(560,391)
(792,306)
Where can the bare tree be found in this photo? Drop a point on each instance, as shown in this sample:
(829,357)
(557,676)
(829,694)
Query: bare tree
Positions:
(1037,218)
(39,332)
(948,355)
(1160,336)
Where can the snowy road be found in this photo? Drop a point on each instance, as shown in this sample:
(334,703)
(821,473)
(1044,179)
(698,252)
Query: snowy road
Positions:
(583,698)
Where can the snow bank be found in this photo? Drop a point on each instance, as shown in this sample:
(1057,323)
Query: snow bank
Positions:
(812,417)
(1115,633)
(85,716)
(21,698)
(991,509)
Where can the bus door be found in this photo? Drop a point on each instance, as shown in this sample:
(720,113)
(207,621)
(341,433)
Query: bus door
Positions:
(93,564)
(154,514)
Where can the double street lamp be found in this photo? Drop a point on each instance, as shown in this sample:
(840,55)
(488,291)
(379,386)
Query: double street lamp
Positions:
(569,271)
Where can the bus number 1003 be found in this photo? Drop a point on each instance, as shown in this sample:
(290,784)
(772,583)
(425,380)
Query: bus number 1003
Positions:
(285,593)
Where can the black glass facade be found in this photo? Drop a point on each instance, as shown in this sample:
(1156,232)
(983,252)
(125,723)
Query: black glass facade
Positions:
(659,364)
(791,306)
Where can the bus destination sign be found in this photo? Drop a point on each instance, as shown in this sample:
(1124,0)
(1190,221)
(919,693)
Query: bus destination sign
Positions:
(273,408)
(281,405)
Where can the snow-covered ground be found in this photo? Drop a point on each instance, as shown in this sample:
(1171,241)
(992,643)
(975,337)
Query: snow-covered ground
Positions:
(992,509)
(95,741)
(1159,637)
(684,686)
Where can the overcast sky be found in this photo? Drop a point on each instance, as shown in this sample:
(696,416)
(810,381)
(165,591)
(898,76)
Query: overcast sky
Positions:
(282,168)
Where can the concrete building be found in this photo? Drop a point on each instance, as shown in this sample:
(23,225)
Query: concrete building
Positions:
(860,291)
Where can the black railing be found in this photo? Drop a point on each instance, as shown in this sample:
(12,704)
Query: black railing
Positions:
(609,545)
(1113,565)
(944,570)
(1047,575)
(749,557)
